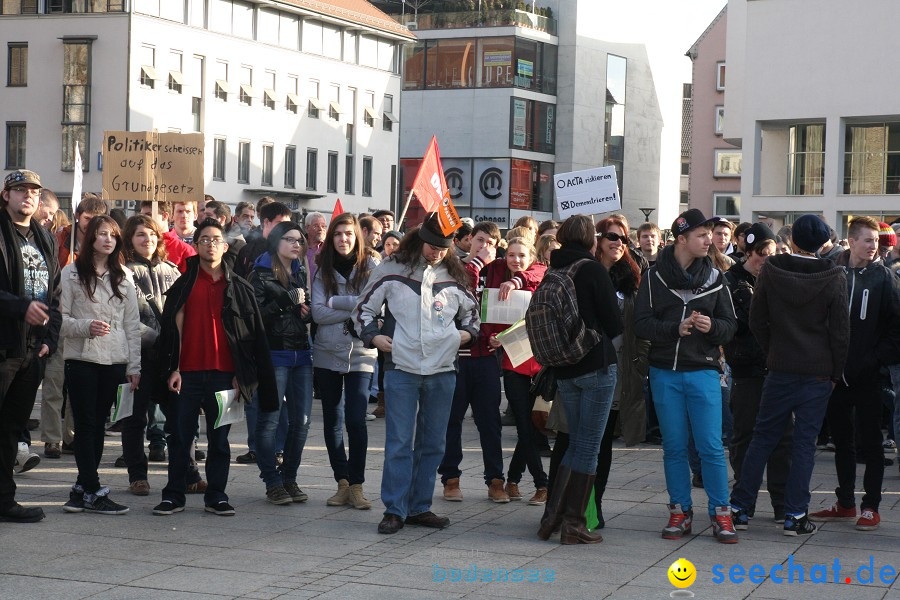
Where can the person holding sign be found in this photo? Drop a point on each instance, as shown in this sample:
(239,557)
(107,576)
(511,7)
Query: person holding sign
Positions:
(519,271)
(102,328)
(279,282)
(212,341)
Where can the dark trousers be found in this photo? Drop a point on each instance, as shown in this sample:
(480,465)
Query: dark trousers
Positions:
(345,397)
(518,394)
(604,458)
(19,381)
(785,394)
(856,411)
(92,392)
(478,386)
(198,389)
(746,393)
(133,429)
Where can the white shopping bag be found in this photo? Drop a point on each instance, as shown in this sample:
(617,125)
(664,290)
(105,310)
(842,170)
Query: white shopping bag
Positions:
(516,344)
(504,312)
(230,408)
(124,406)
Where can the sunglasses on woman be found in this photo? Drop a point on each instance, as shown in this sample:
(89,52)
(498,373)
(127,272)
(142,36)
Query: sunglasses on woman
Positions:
(613,237)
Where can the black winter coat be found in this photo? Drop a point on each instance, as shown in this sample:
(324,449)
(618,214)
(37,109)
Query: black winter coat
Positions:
(285,328)
(744,354)
(243,328)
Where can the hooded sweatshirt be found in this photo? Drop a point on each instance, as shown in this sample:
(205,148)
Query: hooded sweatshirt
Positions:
(799,316)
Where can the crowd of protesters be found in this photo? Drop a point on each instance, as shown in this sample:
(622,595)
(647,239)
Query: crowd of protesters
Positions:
(719,337)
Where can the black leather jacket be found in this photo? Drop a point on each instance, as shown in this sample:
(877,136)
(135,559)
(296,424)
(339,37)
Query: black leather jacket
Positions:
(744,354)
(285,328)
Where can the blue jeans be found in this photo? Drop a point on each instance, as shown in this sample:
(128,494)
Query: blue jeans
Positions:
(345,397)
(586,400)
(420,404)
(251,412)
(727,424)
(295,387)
(478,386)
(690,402)
(198,389)
(785,394)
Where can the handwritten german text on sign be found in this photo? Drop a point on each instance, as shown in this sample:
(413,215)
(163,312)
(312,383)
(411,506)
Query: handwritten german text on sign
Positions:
(146,165)
(588,192)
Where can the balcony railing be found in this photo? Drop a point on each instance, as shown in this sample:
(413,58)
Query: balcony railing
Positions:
(488,18)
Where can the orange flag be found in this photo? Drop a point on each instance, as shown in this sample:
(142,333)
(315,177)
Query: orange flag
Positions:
(430,188)
(338,210)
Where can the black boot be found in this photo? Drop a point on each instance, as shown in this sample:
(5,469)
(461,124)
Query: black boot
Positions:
(553,511)
(574,528)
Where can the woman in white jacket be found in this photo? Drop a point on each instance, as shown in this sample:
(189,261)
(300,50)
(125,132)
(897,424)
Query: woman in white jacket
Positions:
(429,312)
(343,366)
(101,324)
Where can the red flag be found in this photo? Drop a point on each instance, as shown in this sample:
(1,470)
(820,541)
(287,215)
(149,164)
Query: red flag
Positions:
(338,210)
(430,188)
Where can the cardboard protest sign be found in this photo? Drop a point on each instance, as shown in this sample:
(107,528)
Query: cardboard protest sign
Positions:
(147,165)
(588,192)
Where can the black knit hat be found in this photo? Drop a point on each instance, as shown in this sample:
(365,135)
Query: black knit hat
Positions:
(757,234)
(391,234)
(809,232)
(430,232)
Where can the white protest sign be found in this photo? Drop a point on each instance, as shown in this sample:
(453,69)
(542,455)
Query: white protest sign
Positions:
(588,192)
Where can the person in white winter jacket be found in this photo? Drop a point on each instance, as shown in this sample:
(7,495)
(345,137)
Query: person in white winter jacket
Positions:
(429,313)
(102,329)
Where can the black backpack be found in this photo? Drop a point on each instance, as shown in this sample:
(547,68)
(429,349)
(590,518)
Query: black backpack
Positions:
(555,329)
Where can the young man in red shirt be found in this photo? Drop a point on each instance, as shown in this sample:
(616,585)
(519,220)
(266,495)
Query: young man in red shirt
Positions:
(212,340)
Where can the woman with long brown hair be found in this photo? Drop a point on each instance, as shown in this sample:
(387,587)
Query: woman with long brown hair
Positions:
(101,324)
(343,365)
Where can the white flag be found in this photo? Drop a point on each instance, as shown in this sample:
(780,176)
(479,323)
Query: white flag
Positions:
(76,184)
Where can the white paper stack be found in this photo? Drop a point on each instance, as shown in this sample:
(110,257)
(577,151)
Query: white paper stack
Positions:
(504,312)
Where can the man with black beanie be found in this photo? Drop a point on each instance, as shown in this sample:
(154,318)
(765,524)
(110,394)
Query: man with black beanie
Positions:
(799,317)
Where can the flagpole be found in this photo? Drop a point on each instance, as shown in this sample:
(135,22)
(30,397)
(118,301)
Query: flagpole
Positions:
(405,208)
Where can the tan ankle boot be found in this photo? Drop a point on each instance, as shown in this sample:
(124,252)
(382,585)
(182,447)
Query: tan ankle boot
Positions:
(452,492)
(496,493)
(379,410)
(357,500)
(342,496)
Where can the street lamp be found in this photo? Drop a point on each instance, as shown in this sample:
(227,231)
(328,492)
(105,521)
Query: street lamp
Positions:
(647,212)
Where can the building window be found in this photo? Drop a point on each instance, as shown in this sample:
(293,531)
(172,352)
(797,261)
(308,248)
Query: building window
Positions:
(148,67)
(685,167)
(293,99)
(312,93)
(243,162)
(15,145)
(246,94)
(367,176)
(290,166)
(312,166)
(727,163)
(369,114)
(219,159)
(19,7)
(17,73)
(720,76)
(176,77)
(196,79)
(533,125)
(76,122)
(269,96)
(334,102)
(388,118)
(614,121)
(727,205)
(268,160)
(720,120)
(348,174)
(806,160)
(221,81)
(332,171)
(872,159)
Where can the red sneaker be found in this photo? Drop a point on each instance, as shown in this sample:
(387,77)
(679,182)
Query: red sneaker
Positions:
(868,520)
(835,513)
(679,523)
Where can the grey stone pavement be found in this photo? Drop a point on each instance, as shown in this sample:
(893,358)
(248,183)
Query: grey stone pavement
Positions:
(314,551)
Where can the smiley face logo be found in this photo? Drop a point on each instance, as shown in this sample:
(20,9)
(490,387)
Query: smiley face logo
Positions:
(682,573)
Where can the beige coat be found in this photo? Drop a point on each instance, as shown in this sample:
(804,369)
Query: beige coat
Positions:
(122,344)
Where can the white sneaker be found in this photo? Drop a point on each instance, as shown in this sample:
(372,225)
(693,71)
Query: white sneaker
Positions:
(370,417)
(26,459)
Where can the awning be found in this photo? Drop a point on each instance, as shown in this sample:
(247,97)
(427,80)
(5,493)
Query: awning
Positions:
(317,104)
(222,84)
(371,112)
(177,77)
(391,117)
(270,94)
(149,71)
(294,99)
(248,89)
(336,107)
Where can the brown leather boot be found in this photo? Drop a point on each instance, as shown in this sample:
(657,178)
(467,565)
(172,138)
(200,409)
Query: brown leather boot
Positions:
(574,527)
(496,493)
(553,509)
(452,492)
(379,410)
